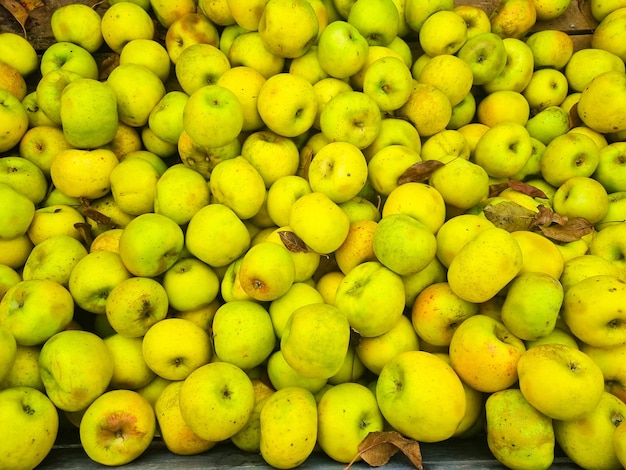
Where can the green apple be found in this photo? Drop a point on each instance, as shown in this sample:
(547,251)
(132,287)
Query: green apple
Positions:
(430,210)
(501,106)
(299,294)
(8,346)
(267,271)
(378,21)
(209,228)
(243,333)
(385,167)
(548,124)
(124,21)
(247,49)
(388,81)
(581,196)
(576,382)
(25,177)
(117,219)
(503,149)
(475,17)
(25,369)
(117,427)
(443,32)
(416,12)
(217,400)
(462,183)
(150,244)
(30,427)
(8,278)
(342,49)
(282,375)
(485,354)
(149,53)
(40,144)
(271,154)
(133,185)
(69,56)
(611,167)
(415,283)
(180,192)
(615,214)
(551,48)
(199,65)
(94,277)
(518,69)
(165,119)
(190,29)
(174,347)
(16,51)
(608,244)
(359,297)
(581,267)
(587,63)
(34,310)
(203,159)
(130,370)
(347,413)
(605,91)
(78,24)
(54,259)
(36,116)
(394,131)
(588,441)
(428,411)
(135,304)
(245,82)
(55,219)
(278,35)
(612,365)
(49,90)
(190,284)
(14,119)
(76,368)
(513,18)
(308,66)
(282,194)
(487,56)
(569,155)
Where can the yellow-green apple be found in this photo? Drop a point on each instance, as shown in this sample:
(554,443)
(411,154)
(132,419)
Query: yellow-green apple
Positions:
(153,389)
(463,113)
(462,183)
(78,24)
(278,35)
(155,144)
(576,382)
(378,21)
(581,267)
(69,56)
(305,263)
(8,278)
(437,312)
(342,49)
(299,294)
(165,119)
(347,413)
(324,90)
(14,251)
(176,434)
(569,155)
(352,117)
(190,284)
(149,53)
(8,346)
(180,192)
(428,109)
(117,218)
(315,340)
(36,116)
(16,214)
(518,69)
(308,66)
(484,353)
(25,369)
(319,222)
(247,49)
(83,172)
(430,210)
(271,154)
(127,140)
(34,310)
(587,63)
(503,149)
(190,29)
(30,427)
(54,259)
(16,51)
(539,254)
(352,369)
(513,18)
(588,440)
(203,159)
(605,91)
(229,34)
(248,13)
(619,441)
(611,167)
(124,21)
(551,48)
(486,55)
(610,360)
(608,244)
(133,185)
(55,219)
(76,368)
(359,298)
(213,116)
(288,426)
(546,11)
(267,271)
(518,435)
(415,283)
(428,411)
(209,228)
(12,81)
(130,370)
(168,12)
(135,304)
(386,165)
(581,196)
(472,272)
(245,82)
(200,64)
(174,347)
(117,427)
(501,106)
(358,245)
(49,90)
(416,12)
(443,32)
(282,375)
(558,335)
(94,277)
(548,124)
(602,294)
(108,240)
(475,17)
(243,333)
(249,438)
(14,119)
(137,89)
(603,36)
(202,316)
(25,177)
(216,400)
(217,11)
(151,255)
(388,81)
(532,320)
(615,214)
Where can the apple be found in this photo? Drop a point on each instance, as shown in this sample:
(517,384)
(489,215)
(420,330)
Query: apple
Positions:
(150,54)
(502,106)
(610,361)
(133,186)
(377,20)
(279,37)
(282,375)
(267,271)
(243,333)
(611,167)
(608,244)
(598,91)
(14,251)
(587,63)
(358,245)
(8,346)
(124,21)
(247,49)
(428,411)
(417,12)
(190,284)
(539,254)
(347,413)
(153,389)
(14,119)
(16,51)
(581,267)
(463,184)
(513,18)
(551,48)
(388,81)
(282,194)
(36,116)
(130,370)
(428,109)
(430,210)
(54,259)
(94,277)
(450,74)
(200,64)
(117,218)
(443,32)
(569,155)
(581,196)
(299,294)
(117,427)
(189,29)
(127,140)
(245,82)
(49,90)
(503,149)
(13,81)
(389,163)
(40,144)
(133,305)
(69,56)
(603,34)
(83,172)
(475,17)
(25,177)
(342,49)
(271,154)
(167,12)
(518,69)
(572,374)
(30,427)
(78,24)
(216,400)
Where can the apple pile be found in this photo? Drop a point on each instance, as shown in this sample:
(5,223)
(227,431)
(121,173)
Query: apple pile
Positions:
(289,224)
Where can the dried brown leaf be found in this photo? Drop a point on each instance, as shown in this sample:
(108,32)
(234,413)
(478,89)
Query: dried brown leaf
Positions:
(292,242)
(31,5)
(574,229)
(18,11)
(510,216)
(93,214)
(306,155)
(527,189)
(419,172)
(378,447)
(84,230)
(496,188)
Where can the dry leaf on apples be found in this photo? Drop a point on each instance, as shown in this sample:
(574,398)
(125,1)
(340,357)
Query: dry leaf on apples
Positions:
(93,214)
(378,448)
(546,216)
(18,11)
(574,229)
(419,172)
(519,186)
(292,242)
(510,216)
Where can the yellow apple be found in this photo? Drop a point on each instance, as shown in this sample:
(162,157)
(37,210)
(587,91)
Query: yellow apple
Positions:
(418,200)
(130,370)
(247,49)
(124,21)
(513,18)
(187,30)
(276,31)
(18,52)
